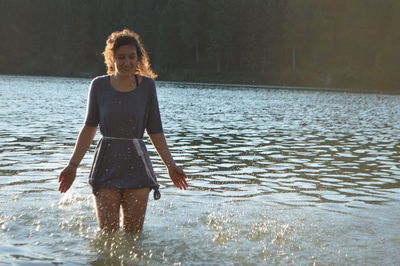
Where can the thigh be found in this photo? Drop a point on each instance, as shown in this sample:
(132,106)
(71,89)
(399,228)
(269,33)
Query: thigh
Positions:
(134,203)
(108,203)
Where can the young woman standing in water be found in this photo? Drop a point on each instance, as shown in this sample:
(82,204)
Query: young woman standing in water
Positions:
(124,104)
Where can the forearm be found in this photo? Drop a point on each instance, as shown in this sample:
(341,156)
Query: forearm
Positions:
(161,146)
(83,142)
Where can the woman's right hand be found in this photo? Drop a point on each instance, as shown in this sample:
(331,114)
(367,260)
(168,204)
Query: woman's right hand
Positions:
(66,178)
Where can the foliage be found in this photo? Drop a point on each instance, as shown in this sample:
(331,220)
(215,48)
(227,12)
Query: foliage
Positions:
(333,43)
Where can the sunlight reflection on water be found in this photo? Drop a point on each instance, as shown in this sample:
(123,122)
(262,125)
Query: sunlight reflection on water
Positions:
(276,176)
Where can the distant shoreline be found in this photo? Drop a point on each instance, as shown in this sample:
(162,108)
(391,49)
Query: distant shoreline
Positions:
(251,86)
(236,85)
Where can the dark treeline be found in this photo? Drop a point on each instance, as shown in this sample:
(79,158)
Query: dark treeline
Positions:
(333,43)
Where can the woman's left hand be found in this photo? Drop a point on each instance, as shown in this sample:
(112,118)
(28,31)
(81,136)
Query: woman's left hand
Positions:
(177,176)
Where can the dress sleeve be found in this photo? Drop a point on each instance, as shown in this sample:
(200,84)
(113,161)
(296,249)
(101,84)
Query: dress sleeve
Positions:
(153,124)
(92,109)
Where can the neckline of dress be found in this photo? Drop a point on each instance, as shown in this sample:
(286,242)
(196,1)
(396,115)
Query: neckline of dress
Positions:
(132,90)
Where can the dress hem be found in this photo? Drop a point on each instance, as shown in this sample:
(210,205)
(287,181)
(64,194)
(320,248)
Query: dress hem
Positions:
(156,193)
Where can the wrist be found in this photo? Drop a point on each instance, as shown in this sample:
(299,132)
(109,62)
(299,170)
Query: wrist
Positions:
(75,165)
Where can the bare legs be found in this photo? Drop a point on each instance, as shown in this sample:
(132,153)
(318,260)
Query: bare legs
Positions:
(107,208)
(133,203)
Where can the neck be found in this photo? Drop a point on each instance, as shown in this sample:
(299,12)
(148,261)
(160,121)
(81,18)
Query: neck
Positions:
(125,80)
(124,77)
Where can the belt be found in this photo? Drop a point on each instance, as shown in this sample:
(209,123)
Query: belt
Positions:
(136,143)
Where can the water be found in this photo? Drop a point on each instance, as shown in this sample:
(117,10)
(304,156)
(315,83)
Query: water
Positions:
(276,177)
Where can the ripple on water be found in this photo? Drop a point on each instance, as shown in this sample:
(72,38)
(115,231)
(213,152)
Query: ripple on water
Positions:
(284,180)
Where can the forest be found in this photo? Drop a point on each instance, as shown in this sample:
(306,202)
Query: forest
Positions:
(320,43)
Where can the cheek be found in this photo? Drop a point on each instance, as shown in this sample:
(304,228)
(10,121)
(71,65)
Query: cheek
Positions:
(119,63)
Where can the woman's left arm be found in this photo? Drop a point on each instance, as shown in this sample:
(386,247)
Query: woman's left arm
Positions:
(175,173)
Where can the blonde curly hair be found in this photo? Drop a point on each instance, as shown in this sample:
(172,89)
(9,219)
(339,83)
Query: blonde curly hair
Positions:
(127,37)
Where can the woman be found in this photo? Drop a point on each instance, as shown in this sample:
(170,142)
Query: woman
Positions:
(124,104)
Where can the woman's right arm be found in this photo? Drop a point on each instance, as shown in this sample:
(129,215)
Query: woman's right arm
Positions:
(83,142)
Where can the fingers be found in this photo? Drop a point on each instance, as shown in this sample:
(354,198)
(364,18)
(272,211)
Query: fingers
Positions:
(60,176)
(180,180)
(183,183)
(61,181)
(61,187)
(64,186)
(65,182)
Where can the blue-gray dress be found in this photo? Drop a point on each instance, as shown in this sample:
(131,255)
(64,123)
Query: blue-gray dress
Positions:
(121,160)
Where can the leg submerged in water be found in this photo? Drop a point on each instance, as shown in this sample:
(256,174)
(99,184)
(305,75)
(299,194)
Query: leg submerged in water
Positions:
(134,204)
(108,203)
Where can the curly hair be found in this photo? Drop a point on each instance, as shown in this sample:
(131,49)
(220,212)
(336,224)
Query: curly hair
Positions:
(127,37)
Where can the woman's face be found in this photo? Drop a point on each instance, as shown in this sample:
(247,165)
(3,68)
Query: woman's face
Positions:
(125,60)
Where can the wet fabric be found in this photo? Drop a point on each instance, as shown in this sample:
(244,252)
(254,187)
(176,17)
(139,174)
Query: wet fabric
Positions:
(121,159)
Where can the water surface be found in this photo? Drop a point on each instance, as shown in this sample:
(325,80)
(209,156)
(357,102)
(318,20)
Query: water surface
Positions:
(276,177)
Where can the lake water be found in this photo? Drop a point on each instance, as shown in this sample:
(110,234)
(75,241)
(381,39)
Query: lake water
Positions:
(276,177)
